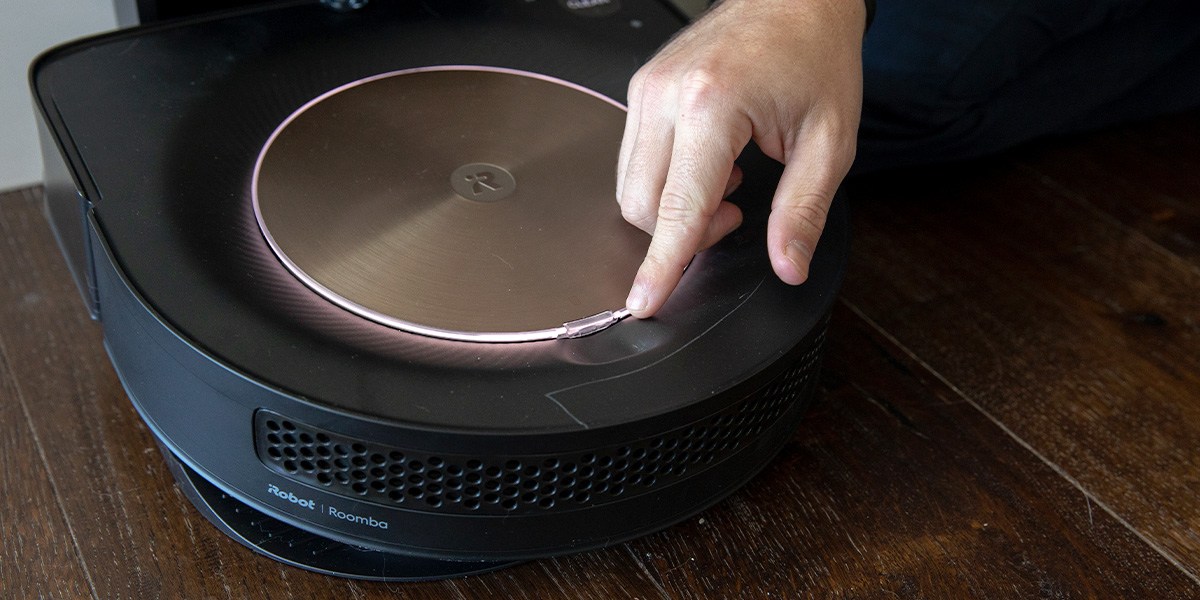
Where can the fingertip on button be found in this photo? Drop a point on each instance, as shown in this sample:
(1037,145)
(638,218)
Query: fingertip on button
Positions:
(638,300)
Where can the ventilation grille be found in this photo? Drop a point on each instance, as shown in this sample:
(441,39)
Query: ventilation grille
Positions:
(394,476)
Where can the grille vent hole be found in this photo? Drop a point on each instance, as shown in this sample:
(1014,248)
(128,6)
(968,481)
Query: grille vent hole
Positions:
(410,478)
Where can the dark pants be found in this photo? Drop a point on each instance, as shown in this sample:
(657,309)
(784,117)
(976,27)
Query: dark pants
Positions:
(947,80)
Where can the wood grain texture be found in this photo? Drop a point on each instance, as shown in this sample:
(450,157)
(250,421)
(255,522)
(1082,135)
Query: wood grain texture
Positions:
(896,487)
(37,553)
(1077,331)
(1144,176)
(1009,409)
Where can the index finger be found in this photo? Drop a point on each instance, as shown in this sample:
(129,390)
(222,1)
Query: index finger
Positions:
(707,140)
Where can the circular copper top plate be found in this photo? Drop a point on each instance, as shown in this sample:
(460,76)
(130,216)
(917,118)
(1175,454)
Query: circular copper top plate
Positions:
(467,203)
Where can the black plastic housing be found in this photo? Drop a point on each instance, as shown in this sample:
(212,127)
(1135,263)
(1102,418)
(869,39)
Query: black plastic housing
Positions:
(429,450)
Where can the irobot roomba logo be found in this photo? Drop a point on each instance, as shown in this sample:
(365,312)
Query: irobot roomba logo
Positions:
(290,497)
(361,520)
(482,182)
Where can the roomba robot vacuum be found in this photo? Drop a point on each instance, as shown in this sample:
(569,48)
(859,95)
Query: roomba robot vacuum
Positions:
(362,275)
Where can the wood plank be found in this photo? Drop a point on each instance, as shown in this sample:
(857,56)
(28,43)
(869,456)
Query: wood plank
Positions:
(37,554)
(897,487)
(1143,175)
(1077,332)
(1019,300)
(138,535)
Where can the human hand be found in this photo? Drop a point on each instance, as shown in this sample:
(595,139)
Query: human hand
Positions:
(785,73)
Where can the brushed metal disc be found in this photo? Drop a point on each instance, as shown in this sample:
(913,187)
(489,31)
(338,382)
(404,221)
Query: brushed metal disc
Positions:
(468,203)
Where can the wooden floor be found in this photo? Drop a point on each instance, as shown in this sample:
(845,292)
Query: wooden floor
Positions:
(1010,409)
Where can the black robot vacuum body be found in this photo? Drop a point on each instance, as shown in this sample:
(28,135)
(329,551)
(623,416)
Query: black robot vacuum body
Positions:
(342,444)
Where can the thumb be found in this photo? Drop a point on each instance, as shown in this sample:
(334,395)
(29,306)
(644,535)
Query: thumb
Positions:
(801,205)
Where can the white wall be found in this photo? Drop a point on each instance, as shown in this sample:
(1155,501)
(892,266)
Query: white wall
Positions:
(28,27)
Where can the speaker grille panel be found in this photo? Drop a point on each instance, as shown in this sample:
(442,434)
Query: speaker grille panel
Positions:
(396,476)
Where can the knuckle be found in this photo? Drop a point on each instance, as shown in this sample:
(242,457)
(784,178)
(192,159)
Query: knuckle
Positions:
(653,265)
(680,215)
(840,137)
(649,83)
(702,90)
(637,83)
(842,147)
(661,263)
(637,214)
(810,214)
(678,203)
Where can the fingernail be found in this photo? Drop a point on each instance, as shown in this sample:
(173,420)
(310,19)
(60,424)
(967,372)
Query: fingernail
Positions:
(638,298)
(799,254)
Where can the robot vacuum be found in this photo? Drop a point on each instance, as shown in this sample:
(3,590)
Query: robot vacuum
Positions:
(363,276)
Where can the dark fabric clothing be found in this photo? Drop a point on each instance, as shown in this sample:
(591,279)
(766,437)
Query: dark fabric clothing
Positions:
(946,80)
